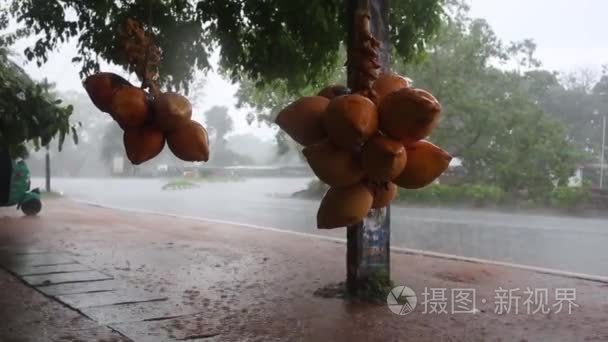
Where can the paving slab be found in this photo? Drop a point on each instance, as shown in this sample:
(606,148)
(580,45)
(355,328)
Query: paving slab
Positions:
(16,263)
(61,278)
(28,270)
(28,316)
(137,312)
(99,334)
(23,250)
(78,288)
(188,328)
(118,297)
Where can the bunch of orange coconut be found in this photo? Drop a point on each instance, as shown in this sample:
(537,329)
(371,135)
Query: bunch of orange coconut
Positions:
(148,121)
(364,149)
(147,118)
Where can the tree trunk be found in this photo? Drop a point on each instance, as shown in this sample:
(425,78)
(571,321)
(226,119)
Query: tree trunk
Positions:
(368,243)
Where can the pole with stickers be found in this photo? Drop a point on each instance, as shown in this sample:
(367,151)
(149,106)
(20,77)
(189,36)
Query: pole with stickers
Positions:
(365,140)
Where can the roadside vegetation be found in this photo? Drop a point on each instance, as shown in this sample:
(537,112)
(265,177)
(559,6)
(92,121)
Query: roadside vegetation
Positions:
(477,195)
(182,183)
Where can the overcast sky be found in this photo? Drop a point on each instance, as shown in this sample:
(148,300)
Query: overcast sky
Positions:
(570,34)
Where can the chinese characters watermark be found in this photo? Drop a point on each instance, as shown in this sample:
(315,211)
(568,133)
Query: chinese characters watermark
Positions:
(528,301)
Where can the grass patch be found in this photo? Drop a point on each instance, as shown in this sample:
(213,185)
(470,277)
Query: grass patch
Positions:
(193,182)
(217,178)
(375,289)
(180,184)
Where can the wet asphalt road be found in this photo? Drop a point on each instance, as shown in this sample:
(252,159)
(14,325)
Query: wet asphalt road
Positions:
(565,243)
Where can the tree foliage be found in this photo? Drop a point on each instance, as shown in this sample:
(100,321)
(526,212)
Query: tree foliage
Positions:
(28,112)
(297,41)
(578,99)
(220,125)
(492,120)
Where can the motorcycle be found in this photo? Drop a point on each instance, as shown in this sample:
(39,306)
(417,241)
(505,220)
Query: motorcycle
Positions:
(15,186)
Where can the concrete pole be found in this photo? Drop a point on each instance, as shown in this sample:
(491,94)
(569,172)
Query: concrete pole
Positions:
(47,168)
(603,149)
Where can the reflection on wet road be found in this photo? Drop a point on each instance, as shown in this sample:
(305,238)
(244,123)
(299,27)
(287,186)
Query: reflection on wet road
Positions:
(566,243)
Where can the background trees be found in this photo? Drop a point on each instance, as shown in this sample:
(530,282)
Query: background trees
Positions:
(220,125)
(294,45)
(511,123)
(494,120)
(28,112)
(297,41)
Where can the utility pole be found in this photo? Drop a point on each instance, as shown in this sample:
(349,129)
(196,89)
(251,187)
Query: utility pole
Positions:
(603,149)
(368,242)
(47,168)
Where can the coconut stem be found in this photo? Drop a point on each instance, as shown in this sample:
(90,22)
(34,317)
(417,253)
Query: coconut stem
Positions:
(143,56)
(363,57)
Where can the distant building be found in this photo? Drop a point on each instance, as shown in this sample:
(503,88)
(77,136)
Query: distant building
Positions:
(118,165)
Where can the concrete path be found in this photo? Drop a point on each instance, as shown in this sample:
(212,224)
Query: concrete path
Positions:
(92,274)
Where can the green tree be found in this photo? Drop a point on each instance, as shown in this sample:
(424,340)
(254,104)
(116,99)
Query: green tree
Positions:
(112,144)
(491,120)
(83,158)
(297,41)
(572,100)
(28,112)
(278,49)
(220,125)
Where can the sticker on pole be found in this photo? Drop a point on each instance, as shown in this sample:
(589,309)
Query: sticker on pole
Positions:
(401,300)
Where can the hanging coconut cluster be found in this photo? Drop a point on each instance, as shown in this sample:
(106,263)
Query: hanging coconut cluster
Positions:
(148,118)
(364,144)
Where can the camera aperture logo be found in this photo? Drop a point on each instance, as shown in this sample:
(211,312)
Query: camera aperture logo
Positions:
(401,300)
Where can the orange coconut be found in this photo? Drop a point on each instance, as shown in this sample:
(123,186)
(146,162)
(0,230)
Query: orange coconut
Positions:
(189,142)
(333,166)
(143,144)
(389,83)
(425,163)
(172,110)
(383,158)
(101,88)
(130,107)
(350,120)
(383,194)
(303,119)
(343,207)
(409,114)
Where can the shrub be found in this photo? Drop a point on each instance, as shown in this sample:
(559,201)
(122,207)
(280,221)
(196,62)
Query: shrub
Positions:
(467,194)
(563,197)
(482,195)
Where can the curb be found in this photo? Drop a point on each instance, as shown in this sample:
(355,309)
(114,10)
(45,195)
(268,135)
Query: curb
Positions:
(399,250)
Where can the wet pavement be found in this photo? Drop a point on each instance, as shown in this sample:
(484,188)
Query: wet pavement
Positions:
(559,242)
(93,274)
(28,315)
